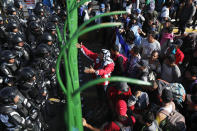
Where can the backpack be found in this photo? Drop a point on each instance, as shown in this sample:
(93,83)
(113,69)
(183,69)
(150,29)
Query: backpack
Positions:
(122,127)
(125,60)
(178,92)
(173,122)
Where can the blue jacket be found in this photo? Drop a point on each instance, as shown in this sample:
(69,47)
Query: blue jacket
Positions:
(48,3)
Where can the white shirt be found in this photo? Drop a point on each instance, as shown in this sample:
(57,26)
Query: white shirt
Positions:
(165,12)
(148,48)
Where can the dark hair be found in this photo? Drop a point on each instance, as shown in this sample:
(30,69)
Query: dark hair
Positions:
(171,58)
(129,36)
(166,96)
(149,117)
(90,5)
(168,4)
(169,29)
(152,33)
(136,50)
(193,70)
(155,51)
(115,48)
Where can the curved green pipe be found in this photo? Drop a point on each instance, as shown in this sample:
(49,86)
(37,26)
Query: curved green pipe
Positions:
(99,16)
(115,78)
(78,5)
(65,25)
(68,44)
(59,77)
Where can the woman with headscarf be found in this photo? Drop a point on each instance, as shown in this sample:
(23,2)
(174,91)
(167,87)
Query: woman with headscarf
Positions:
(102,68)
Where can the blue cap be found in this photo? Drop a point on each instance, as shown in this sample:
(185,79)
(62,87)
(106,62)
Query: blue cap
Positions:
(138,11)
(102,6)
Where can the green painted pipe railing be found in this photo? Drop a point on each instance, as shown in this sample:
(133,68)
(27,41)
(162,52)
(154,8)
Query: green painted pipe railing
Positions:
(69,63)
(112,79)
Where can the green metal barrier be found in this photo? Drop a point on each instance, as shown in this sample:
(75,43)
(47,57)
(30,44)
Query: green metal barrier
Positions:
(73,114)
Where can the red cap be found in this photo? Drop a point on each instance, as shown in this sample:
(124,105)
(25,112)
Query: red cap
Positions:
(121,107)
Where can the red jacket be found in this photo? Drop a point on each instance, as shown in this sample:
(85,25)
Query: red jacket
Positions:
(114,94)
(101,71)
(179,56)
(112,126)
(125,60)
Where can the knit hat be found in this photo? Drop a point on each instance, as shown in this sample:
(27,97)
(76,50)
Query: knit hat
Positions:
(121,107)
(178,42)
(167,96)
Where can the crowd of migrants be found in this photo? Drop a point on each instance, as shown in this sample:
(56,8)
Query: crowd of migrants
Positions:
(144,48)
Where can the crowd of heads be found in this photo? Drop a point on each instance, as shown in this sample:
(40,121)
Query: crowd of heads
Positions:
(144,47)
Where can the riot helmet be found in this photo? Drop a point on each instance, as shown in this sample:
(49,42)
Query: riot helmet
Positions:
(54,19)
(11,26)
(17,39)
(11,10)
(50,26)
(8,95)
(39,4)
(34,26)
(7,55)
(46,37)
(39,11)
(63,13)
(32,18)
(18,4)
(27,74)
(42,50)
(57,9)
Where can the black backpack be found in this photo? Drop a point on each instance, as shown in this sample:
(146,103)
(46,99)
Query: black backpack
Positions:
(122,127)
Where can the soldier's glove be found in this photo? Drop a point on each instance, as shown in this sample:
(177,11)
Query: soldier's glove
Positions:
(29,124)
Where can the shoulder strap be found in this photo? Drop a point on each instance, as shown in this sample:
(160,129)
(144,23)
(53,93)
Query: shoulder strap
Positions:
(120,125)
(164,112)
(163,81)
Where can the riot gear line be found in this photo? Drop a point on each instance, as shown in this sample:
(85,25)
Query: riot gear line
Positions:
(28,51)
